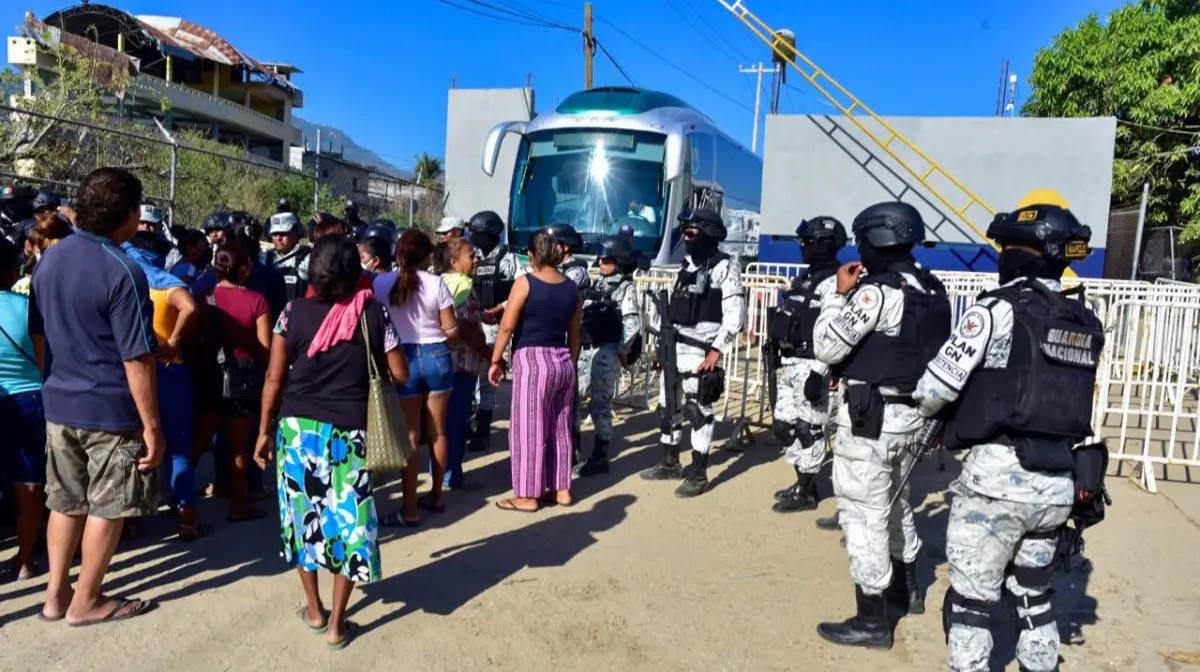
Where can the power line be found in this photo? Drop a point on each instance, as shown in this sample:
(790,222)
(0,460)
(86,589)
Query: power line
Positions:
(497,17)
(673,65)
(1157,128)
(525,15)
(616,65)
(740,55)
(701,33)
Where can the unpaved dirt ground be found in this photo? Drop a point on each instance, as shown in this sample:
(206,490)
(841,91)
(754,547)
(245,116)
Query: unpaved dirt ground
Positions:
(630,578)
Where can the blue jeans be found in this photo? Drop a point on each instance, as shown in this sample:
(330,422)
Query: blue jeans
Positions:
(458,417)
(178,418)
(429,369)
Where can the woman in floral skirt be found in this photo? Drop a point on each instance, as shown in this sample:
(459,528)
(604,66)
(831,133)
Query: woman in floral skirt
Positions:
(314,419)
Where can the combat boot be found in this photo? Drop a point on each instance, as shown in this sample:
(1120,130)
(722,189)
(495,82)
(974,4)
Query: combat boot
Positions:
(829,523)
(868,628)
(788,491)
(802,498)
(903,592)
(695,477)
(483,432)
(597,462)
(668,469)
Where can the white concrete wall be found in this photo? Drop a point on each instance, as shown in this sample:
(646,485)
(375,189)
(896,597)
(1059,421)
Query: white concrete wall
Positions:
(807,173)
(470,114)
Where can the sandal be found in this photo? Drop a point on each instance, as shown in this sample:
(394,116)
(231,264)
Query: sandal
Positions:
(510,504)
(349,629)
(122,610)
(302,612)
(187,532)
(396,520)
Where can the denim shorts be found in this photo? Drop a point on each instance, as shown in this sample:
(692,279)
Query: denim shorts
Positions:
(429,369)
(24,449)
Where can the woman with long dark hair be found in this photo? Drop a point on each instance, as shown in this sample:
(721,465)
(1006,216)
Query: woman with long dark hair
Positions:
(422,311)
(545,348)
(314,420)
(238,323)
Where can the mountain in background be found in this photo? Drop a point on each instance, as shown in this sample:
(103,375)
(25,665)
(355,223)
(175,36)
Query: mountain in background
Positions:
(351,150)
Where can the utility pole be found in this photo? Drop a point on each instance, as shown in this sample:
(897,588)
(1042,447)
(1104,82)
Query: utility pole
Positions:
(589,45)
(756,70)
(317,175)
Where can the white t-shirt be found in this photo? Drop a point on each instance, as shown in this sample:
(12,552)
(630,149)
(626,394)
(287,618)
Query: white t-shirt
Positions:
(418,320)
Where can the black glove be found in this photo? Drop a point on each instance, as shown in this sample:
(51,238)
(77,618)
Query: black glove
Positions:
(815,387)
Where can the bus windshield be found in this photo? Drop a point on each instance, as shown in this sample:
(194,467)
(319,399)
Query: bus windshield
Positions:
(599,181)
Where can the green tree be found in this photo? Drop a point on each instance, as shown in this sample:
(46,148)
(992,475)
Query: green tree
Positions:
(427,169)
(1141,66)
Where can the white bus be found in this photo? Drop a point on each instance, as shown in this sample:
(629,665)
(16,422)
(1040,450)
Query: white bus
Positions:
(613,158)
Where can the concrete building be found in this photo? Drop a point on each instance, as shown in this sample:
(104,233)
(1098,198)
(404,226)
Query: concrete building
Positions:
(205,82)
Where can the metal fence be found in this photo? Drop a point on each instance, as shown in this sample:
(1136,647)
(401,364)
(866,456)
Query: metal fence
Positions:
(189,175)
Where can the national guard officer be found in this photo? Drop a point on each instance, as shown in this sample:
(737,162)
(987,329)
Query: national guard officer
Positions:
(570,243)
(289,257)
(610,333)
(707,307)
(879,331)
(1016,378)
(802,393)
(495,270)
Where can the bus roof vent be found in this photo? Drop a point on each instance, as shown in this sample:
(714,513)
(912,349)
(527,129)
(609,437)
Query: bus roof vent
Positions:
(617,100)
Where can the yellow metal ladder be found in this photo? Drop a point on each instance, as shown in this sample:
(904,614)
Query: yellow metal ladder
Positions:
(929,173)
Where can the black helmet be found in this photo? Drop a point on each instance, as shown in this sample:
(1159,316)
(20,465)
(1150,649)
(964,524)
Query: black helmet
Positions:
(821,228)
(889,224)
(566,235)
(708,221)
(283,206)
(486,222)
(379,230)
(618,248)
(1050,228)
(216,221)
(386,223)
(46,199)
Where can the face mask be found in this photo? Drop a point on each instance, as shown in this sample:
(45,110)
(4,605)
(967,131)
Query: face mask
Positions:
(486,242)
(1021,263)
(700,248)
(819,253)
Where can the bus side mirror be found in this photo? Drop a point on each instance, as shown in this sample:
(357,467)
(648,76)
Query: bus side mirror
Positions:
(673,157)
(495,138)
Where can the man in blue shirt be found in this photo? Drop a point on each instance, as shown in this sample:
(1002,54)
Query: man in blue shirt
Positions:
(90,303)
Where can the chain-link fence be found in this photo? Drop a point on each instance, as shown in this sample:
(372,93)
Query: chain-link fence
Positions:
(190,175)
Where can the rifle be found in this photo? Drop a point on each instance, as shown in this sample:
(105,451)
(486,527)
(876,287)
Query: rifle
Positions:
(770,355)
(669,407)
(926,438)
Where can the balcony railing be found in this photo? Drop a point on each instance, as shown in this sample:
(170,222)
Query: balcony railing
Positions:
(187,99)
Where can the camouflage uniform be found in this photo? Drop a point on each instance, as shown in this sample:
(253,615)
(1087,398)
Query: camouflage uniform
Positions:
(720,336)
(865,471)
(600,367)
(793,407)
(1002,513)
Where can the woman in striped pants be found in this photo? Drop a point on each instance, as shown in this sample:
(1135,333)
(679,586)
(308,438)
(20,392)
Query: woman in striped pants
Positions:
(545,344)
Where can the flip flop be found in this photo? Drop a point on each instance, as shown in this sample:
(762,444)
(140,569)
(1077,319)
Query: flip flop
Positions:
(348,633)
(425,503)
(395,520)
(509,505)
(133,608)
(302,612)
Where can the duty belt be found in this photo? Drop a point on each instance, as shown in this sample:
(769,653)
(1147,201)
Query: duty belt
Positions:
(902,399)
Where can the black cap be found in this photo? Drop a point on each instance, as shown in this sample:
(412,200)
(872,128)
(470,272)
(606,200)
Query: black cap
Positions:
(822,227)
(1050,228)
(889,224)
(708,221)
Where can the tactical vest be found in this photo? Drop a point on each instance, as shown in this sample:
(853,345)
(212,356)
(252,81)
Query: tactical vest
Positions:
(491,287)
(1046,388)
(601,323)
(295,285)
(695,298)
(899,361)
(790,325)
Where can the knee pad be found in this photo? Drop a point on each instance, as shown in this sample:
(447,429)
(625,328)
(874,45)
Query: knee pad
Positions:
(784,432)
(976,614)
(1036,579)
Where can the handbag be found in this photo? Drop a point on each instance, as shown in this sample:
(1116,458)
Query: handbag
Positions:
(240,381)
(388,446)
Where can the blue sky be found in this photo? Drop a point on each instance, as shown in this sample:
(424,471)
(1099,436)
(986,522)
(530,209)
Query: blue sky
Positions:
(380,70)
